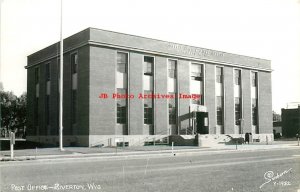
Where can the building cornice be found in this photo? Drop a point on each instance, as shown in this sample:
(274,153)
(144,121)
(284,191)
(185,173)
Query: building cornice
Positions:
(146,51)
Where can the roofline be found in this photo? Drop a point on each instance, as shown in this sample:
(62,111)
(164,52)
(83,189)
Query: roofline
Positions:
(93,43)
(268,60)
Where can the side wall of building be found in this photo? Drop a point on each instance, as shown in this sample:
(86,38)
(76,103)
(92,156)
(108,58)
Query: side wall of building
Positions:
(265,103)
(102,112)
(49,133)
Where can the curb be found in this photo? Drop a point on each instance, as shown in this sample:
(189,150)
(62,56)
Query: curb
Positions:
(140,154)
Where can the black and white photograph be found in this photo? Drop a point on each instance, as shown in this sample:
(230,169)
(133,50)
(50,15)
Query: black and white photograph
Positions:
(150,96)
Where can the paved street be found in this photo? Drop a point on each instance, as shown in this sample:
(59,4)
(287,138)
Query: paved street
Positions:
(230,171)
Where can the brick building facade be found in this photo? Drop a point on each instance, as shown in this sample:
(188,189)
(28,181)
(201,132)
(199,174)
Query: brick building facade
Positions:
(234,90)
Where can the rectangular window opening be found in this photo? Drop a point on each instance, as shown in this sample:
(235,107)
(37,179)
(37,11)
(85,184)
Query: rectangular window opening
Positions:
(148,65)
(219,74)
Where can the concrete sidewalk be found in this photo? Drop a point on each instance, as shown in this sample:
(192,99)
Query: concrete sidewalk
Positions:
(84,152)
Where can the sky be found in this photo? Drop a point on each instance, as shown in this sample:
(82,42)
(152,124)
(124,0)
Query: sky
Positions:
(268,29)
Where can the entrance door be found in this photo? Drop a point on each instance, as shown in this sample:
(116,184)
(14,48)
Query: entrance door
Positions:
(202,122)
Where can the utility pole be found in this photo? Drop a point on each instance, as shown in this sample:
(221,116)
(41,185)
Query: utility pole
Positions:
(61,81)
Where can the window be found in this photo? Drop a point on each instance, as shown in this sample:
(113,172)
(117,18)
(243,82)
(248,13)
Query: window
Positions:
(74,106)
(172,111)
(254,79)
(37,75)
(74,62)
(122,59)
(196,86)
(196,72)
(47,109)
(237,77)
(36,111)
(172,67)
(148,87)
(47,71)
(219,110)
(148,109)
(148,65)
(254,111)
(237,102)
(121,107)
(219,74)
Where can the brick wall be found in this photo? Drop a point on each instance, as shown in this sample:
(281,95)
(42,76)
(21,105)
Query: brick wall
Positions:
(228,86)
(102,112)
(265,103)
(246,100)
(161,105)
(210,96)
(136,106)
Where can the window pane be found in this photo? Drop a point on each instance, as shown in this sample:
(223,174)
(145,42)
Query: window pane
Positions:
(254,79)
(74,62)
(172,65)
(254,111)
(74,106)
(196,71)
(219,110)
(148,65)
(172,110)
(148,110)
(47,109)
(237,110)
(122,62)
(237,77)
(121,107)
(219,74)
(47,72)
(37,75)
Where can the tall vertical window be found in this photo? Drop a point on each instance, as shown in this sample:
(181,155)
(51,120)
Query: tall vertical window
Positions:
(237,77)
(121,108)
(47,104)
(148,65)
(219,74)
(148,89)
(254,79)
(220,110)
(254,111)
(237,100)
(219,100)
(36,103)
(172,89)
(254,98)
(74,68)
(172,68)
(148,109)
(172,111)
(197,83)
(237,103)
(122,68)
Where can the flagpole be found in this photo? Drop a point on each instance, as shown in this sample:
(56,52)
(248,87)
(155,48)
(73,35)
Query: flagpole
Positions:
(61,82)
